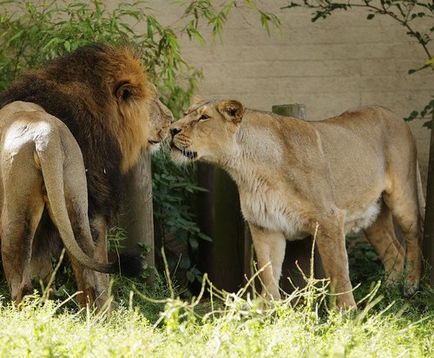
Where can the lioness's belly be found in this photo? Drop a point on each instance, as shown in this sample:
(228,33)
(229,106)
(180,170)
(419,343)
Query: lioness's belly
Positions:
(270,212)
(357,221)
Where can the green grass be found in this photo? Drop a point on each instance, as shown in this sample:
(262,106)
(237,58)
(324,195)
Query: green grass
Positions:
(386,325)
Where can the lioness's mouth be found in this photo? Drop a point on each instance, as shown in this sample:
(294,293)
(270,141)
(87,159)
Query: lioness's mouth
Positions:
(153,142)
(185,152)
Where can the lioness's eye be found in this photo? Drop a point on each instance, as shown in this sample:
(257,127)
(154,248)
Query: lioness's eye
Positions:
(203,117)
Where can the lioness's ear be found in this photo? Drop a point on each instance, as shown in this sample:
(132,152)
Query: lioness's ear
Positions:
(166,111)
(231,110)
(197,99)
(124,90)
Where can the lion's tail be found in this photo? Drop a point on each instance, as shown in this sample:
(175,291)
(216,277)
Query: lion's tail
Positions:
(420,196)
(52,172)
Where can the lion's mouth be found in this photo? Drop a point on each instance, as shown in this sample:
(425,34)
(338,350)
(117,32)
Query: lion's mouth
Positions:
(184,151)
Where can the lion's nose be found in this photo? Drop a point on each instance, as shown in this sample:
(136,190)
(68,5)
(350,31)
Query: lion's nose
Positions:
(174,131)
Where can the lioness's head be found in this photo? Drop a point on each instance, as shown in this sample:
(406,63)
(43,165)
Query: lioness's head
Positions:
(207,131)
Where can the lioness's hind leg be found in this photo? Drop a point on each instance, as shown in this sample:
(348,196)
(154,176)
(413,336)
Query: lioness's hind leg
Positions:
(404,206)
(19,227)
(381,235)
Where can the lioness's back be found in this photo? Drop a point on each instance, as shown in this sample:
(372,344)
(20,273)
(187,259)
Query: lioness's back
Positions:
(361,146)
(362,131)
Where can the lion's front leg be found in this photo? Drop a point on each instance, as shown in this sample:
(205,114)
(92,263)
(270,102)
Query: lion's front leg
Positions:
(85,282)
(99,226)
(330,239)
(93,285)
(270,252)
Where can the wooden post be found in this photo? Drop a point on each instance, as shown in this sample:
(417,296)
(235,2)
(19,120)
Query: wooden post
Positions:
(219,217)
(428,234)
(137,210)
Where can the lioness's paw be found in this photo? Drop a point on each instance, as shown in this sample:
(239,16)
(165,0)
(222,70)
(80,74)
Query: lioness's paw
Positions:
(411,288)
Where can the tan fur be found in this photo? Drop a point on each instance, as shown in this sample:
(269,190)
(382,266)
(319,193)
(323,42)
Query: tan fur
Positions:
(160,119)
(103,95)
(295,178)
(41,165)
(24,127)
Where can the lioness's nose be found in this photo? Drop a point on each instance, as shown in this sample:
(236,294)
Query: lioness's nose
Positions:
(174,131)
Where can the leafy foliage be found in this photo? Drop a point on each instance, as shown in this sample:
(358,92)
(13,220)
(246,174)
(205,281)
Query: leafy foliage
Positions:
(173,198)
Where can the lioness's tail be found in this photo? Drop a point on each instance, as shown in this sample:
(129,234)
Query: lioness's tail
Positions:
(52,172)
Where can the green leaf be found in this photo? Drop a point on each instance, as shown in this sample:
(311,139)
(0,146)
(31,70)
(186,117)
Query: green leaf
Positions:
(193,243)
(67,46)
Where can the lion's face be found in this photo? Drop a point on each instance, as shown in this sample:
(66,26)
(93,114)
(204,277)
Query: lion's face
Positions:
(207,131)
(143,121)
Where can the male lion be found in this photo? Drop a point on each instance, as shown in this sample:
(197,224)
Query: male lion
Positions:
(326,178)
(103,96)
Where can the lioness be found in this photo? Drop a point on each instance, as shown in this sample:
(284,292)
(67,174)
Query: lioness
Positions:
(327,178)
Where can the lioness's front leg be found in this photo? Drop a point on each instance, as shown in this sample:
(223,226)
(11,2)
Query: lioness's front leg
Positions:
(330,240)
(270,252)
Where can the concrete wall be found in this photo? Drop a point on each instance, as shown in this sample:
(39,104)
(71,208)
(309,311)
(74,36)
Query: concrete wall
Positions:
(330,66)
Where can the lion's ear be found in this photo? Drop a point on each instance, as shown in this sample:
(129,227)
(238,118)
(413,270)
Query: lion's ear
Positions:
(231,110)
(124,90)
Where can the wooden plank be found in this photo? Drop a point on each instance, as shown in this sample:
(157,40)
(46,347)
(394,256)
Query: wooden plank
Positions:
(219,217)
(428,234)
(137,210)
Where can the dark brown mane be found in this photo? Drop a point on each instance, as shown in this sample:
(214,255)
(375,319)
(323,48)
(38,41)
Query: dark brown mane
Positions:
(80,89)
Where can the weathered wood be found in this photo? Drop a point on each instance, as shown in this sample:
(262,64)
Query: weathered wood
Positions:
(428,234)
(219,217)
(137,210)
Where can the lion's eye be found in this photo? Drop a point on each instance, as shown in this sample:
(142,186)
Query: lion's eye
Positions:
(203,117)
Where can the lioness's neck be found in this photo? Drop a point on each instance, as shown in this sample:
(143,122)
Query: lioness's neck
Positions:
(259,146)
